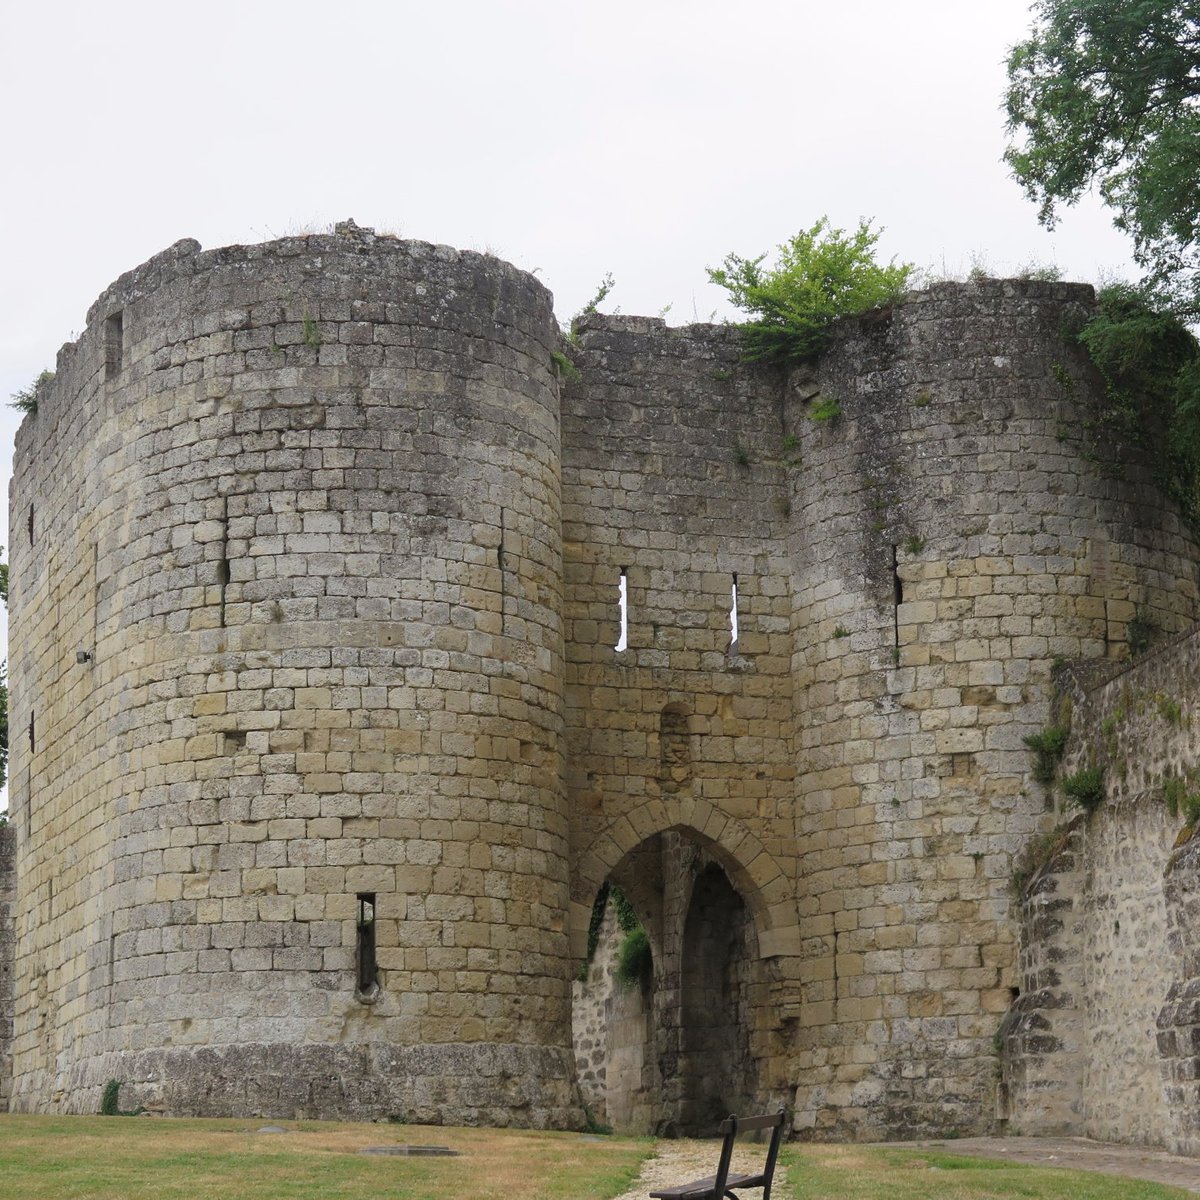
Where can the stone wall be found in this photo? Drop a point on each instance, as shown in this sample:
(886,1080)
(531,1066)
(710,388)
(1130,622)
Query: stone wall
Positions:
(679,745)
(1105,1039)
(614,1040)
(316,571)
(920,524)
(8,891)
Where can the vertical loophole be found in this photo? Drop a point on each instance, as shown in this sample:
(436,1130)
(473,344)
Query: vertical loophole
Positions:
(114,337)
(95,596)
(733,617)
(368,974)
(32,731)
(500,562)
(29,524)
(623,611)
(897,598)
(223,561)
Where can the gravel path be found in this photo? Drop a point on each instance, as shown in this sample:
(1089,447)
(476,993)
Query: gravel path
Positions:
(681,1160)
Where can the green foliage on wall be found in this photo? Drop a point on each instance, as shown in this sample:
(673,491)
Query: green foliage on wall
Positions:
(110,1102)
(821,274)
(1047,747)
(26,400)
(635,964)
(1085,788)
(1181,798)
(1150,364)
(634,959)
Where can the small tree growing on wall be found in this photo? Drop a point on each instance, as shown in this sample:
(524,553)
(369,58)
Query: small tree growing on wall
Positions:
(821,274)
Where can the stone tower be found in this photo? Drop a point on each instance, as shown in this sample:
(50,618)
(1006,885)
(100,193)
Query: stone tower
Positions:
(287,666)
(330,721)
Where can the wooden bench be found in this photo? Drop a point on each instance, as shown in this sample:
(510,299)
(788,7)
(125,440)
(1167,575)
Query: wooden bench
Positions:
(720,1185)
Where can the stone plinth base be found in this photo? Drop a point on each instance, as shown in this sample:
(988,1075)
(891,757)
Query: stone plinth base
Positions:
(460,1084)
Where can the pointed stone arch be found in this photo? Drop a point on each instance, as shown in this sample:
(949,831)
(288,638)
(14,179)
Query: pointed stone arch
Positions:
(752,869)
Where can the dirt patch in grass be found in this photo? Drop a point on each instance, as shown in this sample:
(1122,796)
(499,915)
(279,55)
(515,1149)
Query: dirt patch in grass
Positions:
(85,1158)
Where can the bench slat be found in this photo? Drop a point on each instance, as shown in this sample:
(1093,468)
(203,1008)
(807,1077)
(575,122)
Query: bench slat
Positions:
(702,1189)
(721,1185)
(749,1124)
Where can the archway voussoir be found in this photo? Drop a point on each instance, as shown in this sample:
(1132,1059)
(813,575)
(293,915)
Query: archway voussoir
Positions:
(701,813)
(624,834)
(715,827)
(762,869)
(649,819)
(775,891)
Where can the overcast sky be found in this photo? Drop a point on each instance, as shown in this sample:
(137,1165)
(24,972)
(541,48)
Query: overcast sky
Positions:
(648,139)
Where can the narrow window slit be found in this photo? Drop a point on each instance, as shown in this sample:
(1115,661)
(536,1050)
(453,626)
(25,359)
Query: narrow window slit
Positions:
(29,524)
(500,563)
(95,596)
(733,618)
(114,335)
(368,974)
(897,597)
(223,573)
(32,732)
(623,611)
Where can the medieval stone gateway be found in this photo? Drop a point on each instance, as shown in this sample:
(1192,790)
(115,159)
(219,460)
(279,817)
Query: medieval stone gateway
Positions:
(322,745)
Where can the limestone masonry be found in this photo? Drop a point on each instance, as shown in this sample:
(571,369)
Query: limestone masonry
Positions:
(323,746)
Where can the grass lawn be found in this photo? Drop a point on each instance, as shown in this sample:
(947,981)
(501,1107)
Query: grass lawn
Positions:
(817,1172)
(151,1158)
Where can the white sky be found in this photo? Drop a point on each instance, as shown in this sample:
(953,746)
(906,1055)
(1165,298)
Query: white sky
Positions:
(648,139)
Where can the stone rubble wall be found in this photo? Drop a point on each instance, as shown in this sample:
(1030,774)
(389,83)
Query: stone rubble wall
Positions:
(1121,1030)
(613,1039)
(1041,1039)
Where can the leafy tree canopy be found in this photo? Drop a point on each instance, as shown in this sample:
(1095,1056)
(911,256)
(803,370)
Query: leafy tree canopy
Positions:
(1107,93)
(821,274)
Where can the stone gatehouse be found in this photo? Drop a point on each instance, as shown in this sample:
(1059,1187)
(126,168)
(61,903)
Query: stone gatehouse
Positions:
(364,627)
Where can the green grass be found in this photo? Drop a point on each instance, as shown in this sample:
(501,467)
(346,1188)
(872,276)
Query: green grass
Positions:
(871,1173)
(154,1158)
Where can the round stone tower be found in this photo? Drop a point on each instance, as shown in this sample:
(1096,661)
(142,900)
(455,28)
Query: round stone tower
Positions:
(962,519)
(289,690)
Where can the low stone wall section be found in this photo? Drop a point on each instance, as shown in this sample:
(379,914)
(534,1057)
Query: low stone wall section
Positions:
(1104,1040)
